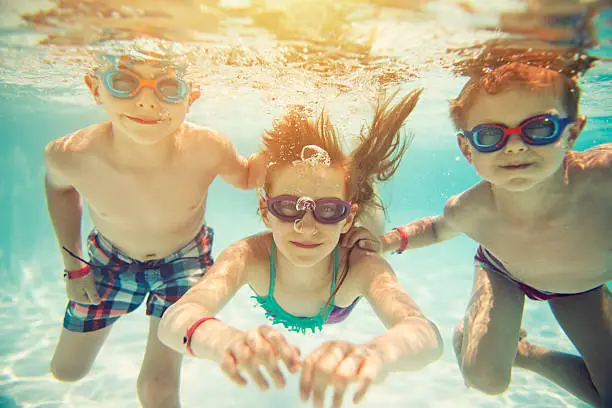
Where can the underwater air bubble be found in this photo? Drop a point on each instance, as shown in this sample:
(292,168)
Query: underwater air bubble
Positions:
(314,155)
(298,225)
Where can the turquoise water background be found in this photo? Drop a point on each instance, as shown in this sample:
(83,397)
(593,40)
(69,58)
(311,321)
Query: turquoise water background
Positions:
(32,298)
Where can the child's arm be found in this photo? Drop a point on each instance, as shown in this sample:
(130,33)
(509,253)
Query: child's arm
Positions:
(243,173)
(65,210)
(64,205)
(426,231)
(186,328)
(217,287)
(410,343)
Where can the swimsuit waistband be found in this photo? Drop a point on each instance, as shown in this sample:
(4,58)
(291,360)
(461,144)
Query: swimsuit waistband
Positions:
(104,244)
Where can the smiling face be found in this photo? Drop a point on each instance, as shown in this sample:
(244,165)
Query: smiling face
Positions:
(144,118)
(314,241)
(517,166)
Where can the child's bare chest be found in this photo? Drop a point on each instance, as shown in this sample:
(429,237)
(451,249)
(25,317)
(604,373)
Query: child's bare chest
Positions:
(567,254)
(141,197)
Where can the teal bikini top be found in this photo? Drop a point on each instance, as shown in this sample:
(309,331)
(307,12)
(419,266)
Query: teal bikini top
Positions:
(277,315)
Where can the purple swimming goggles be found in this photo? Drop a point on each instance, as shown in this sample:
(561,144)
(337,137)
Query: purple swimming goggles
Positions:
(290,208)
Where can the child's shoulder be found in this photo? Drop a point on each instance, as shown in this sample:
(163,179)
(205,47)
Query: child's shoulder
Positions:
(364,265)
(252,249)
(260,245)
(82,141)
(199,138)
(202,135)
(366,268)
(469,203)
(256,250)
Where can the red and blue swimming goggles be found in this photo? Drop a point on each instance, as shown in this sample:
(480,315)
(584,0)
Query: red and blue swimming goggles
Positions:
(537,130)
(122,83)
(290,208)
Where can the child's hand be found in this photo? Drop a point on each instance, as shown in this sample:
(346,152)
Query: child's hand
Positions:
(83,290)
(363,238)
(261,347)
(337,364)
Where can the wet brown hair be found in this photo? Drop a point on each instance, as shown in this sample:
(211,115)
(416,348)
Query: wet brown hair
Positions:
(498,69)
(376,158)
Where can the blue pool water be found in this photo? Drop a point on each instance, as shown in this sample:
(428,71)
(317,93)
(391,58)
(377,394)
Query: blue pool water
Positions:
(439,278)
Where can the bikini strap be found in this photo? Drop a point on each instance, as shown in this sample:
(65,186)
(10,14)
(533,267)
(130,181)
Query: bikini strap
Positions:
(336,264)
(272,268)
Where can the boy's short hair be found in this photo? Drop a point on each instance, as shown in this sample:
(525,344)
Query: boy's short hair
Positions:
(497,70)
(158,54)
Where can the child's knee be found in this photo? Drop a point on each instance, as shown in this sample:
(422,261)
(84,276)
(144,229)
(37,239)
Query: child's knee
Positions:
(486,378)
(68,371)
(158,390)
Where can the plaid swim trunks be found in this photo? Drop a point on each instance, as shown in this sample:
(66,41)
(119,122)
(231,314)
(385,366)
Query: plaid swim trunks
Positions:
(124,282)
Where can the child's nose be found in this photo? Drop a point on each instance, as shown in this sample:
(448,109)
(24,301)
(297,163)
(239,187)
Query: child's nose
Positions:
(309,223)
(147,99)
(515,144)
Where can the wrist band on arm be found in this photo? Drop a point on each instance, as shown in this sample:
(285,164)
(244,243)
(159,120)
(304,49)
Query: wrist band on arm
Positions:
(78,273)
(404,242)
(191,330)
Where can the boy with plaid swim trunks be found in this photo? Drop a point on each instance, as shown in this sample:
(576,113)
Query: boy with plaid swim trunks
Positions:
(124,282)
(144,175)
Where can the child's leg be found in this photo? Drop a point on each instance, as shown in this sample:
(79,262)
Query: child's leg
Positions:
(587,321)
(75,353)
(158,381)
(566,370)
(492,324)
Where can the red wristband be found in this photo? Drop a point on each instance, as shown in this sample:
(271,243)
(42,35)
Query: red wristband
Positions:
(79,273)
(404,243)
(191,330)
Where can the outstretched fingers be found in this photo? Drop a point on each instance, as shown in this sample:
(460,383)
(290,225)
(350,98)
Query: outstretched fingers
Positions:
(229,367)
(290,355)
(265,355)
(258,348)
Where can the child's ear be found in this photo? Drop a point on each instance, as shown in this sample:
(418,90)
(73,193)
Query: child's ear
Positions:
(575,130)
(263,210)
(464,146)
(93,83)
(348,222)
(194,94)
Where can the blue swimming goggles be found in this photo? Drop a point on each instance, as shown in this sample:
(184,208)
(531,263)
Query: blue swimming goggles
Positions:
(537,131)
(122,83)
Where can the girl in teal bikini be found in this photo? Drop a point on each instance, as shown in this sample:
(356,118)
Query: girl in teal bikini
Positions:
(301,276)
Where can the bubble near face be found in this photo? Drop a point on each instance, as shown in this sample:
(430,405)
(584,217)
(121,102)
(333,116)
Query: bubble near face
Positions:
(298,225)
(305,203)
(314,155)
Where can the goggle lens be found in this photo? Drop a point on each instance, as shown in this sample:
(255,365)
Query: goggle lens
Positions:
(325,210)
